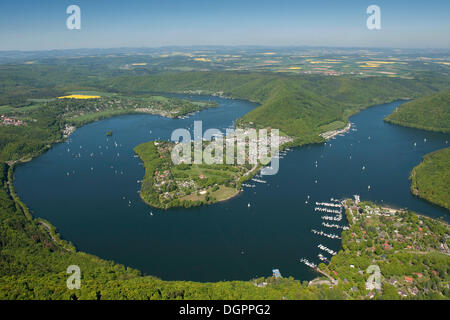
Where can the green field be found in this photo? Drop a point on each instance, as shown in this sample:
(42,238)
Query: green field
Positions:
(336,125)
(93,93)
(21,110)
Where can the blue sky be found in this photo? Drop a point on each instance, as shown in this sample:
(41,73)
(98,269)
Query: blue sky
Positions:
(41,25)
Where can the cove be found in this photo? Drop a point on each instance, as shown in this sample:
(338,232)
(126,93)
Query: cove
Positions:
(88,188)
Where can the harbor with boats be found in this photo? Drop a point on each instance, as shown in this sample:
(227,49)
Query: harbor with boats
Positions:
(335,207)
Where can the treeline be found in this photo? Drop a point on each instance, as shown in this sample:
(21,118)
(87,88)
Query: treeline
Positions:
(431,112)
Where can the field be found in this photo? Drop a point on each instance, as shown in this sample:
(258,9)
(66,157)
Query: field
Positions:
(79,97)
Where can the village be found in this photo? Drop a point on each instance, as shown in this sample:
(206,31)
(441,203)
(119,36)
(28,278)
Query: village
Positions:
(10,121)
(411,251)
(191,183)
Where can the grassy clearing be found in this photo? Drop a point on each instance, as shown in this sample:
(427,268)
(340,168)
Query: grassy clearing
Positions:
(10,110)
(335,125)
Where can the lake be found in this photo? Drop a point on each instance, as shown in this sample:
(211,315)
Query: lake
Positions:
(88,188)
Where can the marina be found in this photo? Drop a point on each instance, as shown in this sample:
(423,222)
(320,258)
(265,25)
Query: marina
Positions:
(258,180)
(324,207)
(324,248)
(328,235)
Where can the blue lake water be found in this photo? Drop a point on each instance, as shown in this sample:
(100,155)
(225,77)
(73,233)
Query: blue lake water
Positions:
(87,187)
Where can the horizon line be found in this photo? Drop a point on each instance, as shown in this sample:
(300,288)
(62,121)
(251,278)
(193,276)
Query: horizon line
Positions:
(225,46)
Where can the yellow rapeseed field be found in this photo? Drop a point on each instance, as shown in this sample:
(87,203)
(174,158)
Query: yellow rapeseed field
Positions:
(79,96)
(202,59)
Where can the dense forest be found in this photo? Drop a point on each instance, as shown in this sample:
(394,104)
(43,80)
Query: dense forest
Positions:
(431,112)
(430,179)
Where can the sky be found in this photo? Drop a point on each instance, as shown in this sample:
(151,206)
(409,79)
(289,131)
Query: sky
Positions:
(41,24)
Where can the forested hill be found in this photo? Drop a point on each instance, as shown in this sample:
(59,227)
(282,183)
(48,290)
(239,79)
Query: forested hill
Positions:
(430,179)
(299,105)
(431,112)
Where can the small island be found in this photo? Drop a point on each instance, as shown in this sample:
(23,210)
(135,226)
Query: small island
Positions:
(166,185)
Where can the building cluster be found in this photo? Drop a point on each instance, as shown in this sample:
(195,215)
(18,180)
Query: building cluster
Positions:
(396,231)
(161,177)
(10,121)
(256,144)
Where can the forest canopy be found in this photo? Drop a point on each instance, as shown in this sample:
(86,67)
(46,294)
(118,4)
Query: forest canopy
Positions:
(431,112)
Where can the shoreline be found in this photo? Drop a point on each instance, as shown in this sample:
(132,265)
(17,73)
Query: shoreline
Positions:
(332,133)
